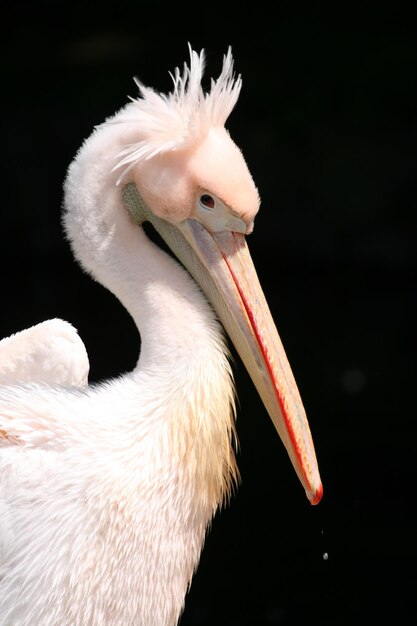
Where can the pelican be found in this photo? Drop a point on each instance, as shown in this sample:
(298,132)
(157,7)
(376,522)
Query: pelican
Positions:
(107,490)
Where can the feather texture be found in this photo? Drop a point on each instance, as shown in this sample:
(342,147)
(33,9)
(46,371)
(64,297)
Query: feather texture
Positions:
(50,352)
(181,118)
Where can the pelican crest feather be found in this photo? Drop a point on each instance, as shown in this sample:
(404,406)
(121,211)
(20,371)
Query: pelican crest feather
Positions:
(181,118)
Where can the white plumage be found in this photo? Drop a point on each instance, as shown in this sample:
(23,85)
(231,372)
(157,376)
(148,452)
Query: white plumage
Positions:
(106,491)
(50,352)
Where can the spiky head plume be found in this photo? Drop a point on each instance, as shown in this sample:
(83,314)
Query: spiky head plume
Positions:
(184,116)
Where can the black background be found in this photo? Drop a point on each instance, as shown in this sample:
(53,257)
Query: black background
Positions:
(327,122)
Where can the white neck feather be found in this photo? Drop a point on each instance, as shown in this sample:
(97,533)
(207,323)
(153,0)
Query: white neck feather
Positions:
(180,397)
(176,324)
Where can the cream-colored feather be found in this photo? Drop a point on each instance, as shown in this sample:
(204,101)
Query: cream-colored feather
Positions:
(50,352)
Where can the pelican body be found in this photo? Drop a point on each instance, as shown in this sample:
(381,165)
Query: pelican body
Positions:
(106,491)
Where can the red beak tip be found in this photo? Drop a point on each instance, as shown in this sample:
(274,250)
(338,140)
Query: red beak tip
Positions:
(315,496)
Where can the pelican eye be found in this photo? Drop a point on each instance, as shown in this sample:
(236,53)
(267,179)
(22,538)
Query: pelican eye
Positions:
(207,201)
(216,216)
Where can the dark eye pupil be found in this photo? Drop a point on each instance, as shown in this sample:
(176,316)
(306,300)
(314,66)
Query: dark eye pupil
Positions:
(207,200)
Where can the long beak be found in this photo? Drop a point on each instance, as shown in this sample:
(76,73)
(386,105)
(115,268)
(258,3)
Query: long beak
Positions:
(221,265)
